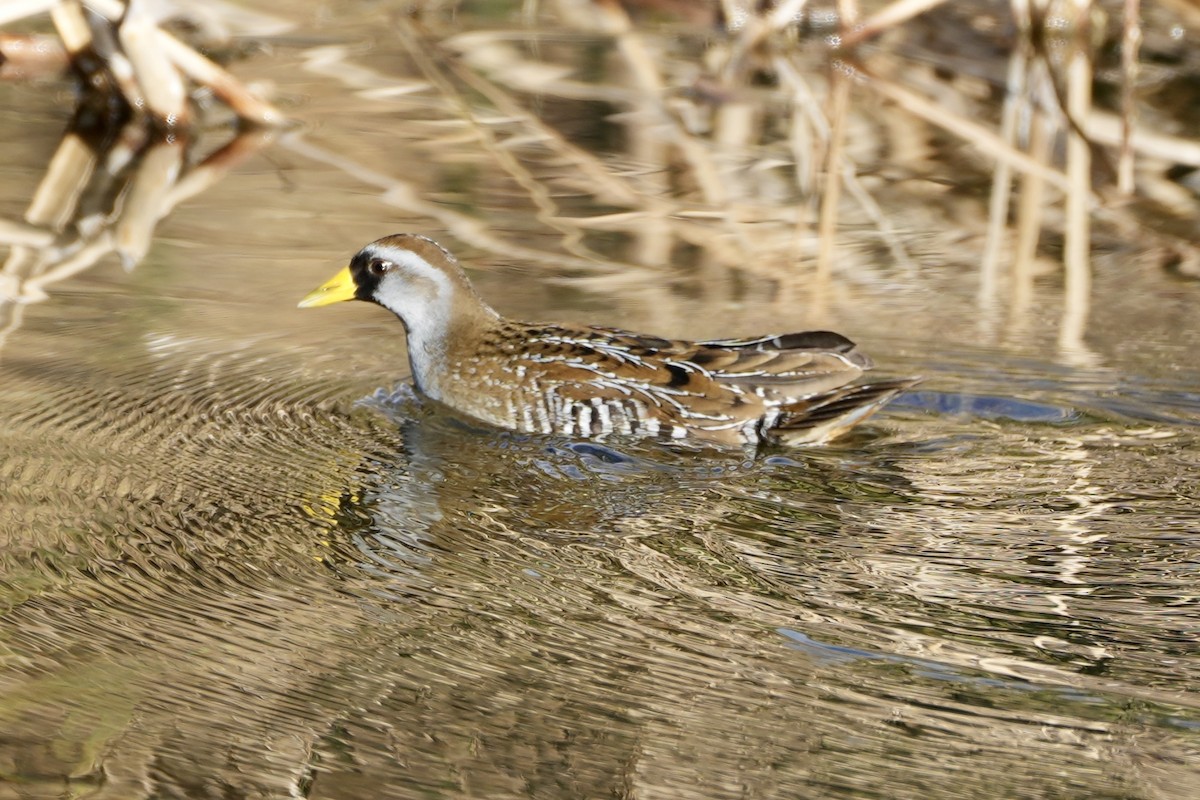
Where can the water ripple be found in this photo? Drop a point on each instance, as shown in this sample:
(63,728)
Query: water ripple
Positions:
(228,549)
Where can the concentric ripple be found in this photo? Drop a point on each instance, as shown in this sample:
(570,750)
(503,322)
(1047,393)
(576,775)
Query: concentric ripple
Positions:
(240,569)
(218,571)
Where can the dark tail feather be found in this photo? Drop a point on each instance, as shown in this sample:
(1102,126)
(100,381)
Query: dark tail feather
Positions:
(827,416)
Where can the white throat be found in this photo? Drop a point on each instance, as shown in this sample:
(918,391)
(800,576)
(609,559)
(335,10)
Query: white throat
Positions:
(422,296)
(429,301)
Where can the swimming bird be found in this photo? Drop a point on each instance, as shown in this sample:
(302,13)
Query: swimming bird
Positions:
(586,381)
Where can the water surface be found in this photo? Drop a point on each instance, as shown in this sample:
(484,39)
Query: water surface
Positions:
(239,558)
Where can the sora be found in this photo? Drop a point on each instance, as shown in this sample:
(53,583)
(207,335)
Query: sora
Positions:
(793,388)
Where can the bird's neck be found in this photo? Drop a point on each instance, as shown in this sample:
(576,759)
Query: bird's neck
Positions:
(449,332)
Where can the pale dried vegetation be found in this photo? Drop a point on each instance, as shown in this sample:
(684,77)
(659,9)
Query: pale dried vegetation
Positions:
(806,143)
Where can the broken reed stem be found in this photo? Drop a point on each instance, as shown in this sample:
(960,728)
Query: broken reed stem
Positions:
(216,165)
(1130,45)
(161,84)
(19,234)
(149,194)
(73,27)
(199,68)
(223,84)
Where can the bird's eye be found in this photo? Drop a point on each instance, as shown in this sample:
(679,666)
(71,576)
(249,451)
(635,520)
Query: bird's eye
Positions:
(377,266)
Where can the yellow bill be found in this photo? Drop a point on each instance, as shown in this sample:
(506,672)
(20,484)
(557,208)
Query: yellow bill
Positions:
(338,288)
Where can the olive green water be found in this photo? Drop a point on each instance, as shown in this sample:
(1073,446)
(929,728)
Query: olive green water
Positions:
(238,559)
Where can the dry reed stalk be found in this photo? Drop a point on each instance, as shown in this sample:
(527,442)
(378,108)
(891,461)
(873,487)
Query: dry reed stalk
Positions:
(999,201)
(875,213)
(332,61)
(200,69)
(147,66)
(1031,189)
(10,292)
(645,72)
(1105,128)
(660,221)
(979,136)
(839,101)
(17,234)
(736,13)
(807,115)
(1030,211)
(75,30)
(80,260)
(548,212)
(224,85)
(785,13)
(161,84)
(807,118)
(1130,44)
(66,178)
(13,10)
(756,28)
(605,184)
(150,193)
(884,20)
(217,165)
(476,232)
(735,127)
(145,202)
(713,182)
(488,51)
(847,15)
(23,57)
(72,26)
(654,225)
(1077,246)
(53,205)
(704,237)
